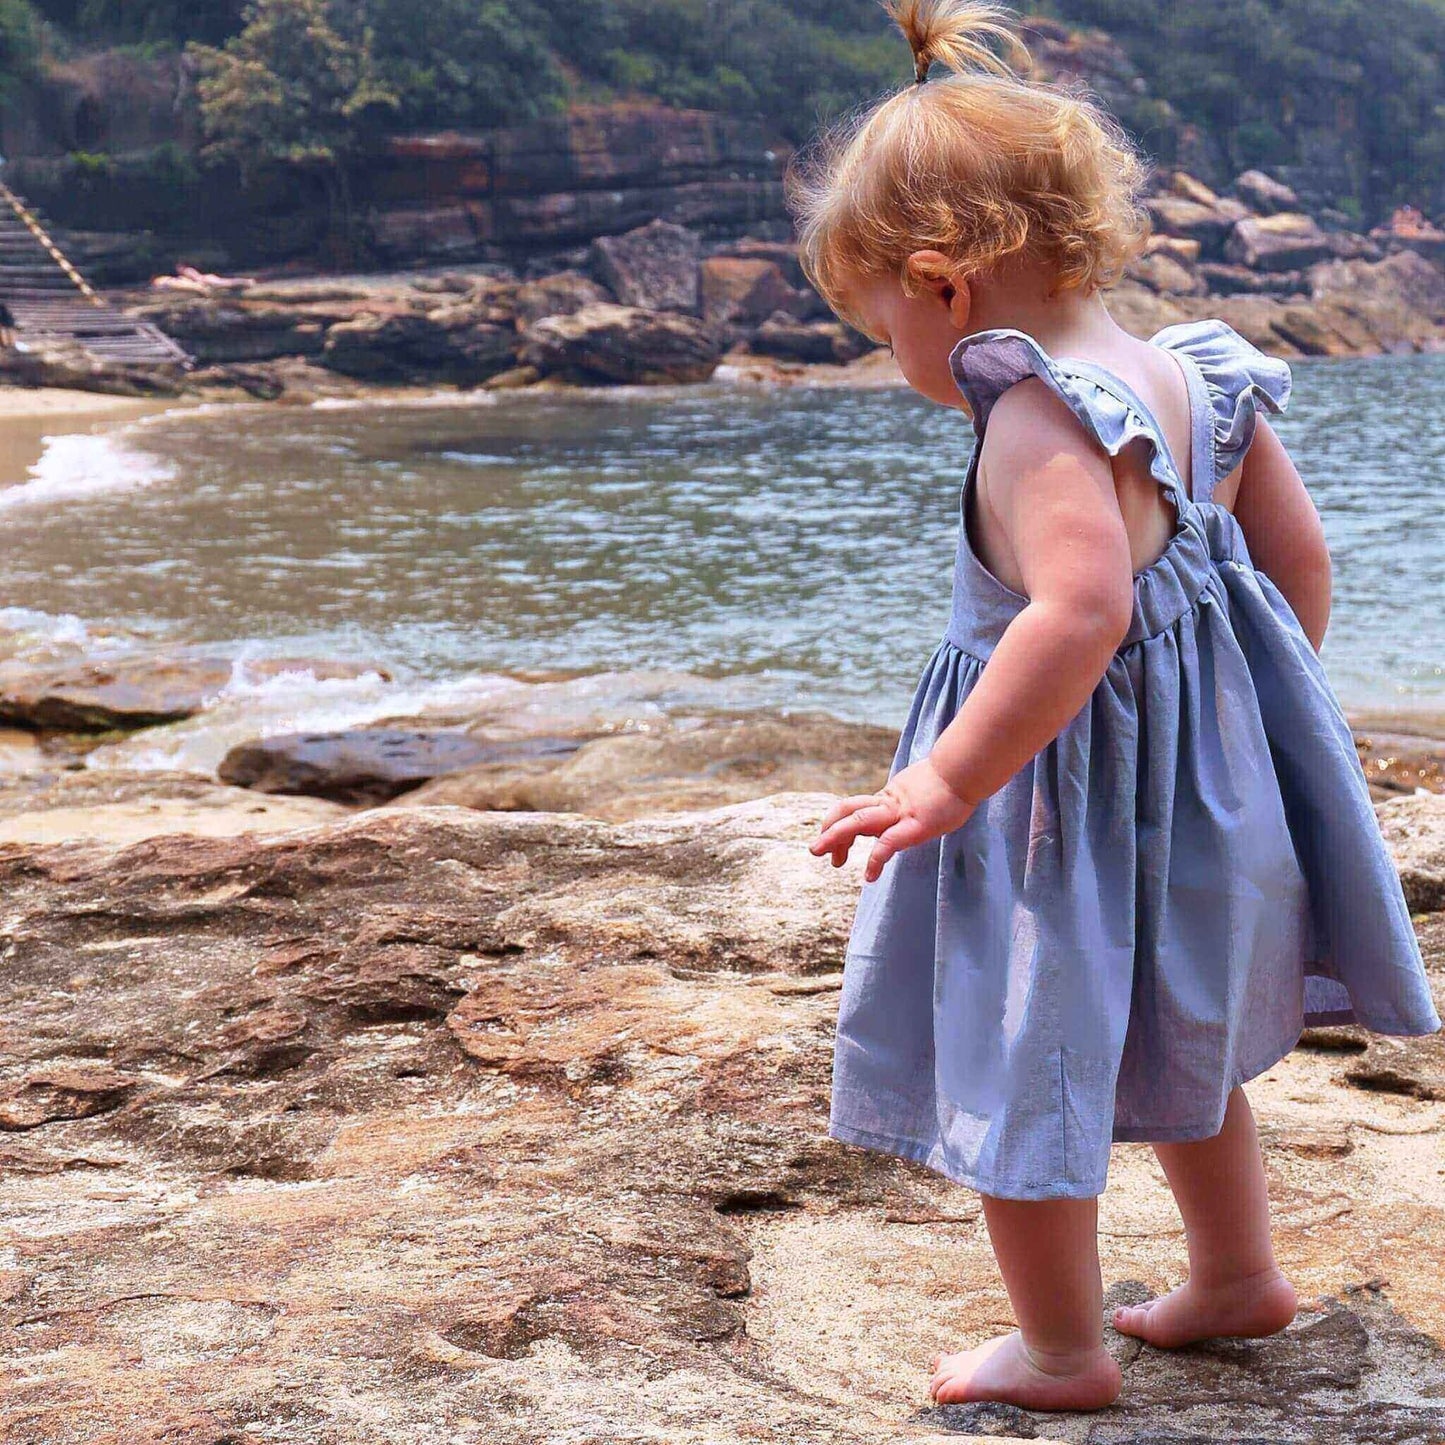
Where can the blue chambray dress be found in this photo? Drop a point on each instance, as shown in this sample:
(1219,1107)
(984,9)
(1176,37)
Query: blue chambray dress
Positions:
(1152,908)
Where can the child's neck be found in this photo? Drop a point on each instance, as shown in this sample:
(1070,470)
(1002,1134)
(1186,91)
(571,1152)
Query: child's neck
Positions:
(1069,322)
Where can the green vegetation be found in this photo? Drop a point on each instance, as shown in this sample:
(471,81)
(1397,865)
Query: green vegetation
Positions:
(1353,88)
(1277,81)
(20,44)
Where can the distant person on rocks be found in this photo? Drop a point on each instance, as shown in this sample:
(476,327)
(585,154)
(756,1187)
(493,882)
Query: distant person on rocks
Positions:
(1126,851)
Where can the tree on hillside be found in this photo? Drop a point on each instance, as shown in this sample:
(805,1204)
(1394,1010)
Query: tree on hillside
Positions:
(20,44)
(461,62)
(290,88)
(146,20)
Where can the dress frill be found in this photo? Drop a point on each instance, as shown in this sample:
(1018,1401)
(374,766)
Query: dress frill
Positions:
(1152,909)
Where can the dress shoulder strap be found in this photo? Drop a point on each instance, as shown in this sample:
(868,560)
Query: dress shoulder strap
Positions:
(986,363)
(1231,379)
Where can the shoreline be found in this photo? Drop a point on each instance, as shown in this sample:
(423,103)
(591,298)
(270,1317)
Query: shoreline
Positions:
(52,794)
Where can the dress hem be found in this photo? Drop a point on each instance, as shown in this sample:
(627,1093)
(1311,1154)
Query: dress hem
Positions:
(920,1152)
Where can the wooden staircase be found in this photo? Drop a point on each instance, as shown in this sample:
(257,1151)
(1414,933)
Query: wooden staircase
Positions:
(49,300)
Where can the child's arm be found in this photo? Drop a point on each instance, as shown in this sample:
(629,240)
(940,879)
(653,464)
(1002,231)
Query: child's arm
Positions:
(1052,489)
(1283,532)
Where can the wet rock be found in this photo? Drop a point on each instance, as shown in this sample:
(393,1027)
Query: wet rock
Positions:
(1283,242)
(370,765)
(135,690)
(1264,194)
(1398,758)
(609,343)
(130,691)
(652,267)
(559,294)
(448,344)
(691,763)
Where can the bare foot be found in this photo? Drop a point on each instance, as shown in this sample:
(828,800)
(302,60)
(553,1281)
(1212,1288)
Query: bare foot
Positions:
(1004,1369)
(1259,1304)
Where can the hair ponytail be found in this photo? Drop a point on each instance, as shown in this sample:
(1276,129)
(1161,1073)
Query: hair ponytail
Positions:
(955,32)
(985,164)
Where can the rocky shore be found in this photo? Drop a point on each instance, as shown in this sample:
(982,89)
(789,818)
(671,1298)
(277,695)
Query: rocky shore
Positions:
(506,1126)
(660,304)
(463,1078)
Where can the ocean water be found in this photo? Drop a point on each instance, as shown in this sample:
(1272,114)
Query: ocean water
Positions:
(734,545)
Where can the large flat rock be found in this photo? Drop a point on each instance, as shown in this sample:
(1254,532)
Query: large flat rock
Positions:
(438,1125)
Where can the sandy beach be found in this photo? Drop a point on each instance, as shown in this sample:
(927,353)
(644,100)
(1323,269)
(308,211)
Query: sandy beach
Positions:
(29,415)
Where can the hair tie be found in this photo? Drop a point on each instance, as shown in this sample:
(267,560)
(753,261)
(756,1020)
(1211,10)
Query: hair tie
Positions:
(920,70)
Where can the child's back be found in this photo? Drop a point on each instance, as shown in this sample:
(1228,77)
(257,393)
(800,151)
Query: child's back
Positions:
(1126,850)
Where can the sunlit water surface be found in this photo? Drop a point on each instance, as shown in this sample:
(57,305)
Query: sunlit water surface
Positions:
(784,548)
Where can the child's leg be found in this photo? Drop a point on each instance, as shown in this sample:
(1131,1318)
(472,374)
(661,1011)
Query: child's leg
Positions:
(1234,1285)
(1047,1251)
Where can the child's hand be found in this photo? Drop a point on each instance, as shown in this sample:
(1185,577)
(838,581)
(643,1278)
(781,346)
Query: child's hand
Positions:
(915,805)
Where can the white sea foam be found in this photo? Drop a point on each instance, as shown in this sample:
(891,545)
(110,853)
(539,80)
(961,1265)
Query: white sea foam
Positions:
(247,707)
(81,464)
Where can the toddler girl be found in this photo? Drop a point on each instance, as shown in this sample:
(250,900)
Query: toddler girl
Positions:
(1126,851)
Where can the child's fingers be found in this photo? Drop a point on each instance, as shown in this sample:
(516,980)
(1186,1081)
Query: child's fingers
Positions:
(843,807)
(903,834)
(871,817)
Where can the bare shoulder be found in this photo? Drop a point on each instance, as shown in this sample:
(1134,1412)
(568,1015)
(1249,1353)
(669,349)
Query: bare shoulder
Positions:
(1030,429)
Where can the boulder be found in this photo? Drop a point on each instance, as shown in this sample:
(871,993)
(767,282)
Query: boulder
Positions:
(1160,271)
(1286,241)
(1224,278)
(783,254)
(221,330)
(134,689)
(1414,827)
(1191,188)
(739,294)
(654,267)
(450,343)
(371,765)
(783,335)
(1314,331)
(1264,194)
(1207,224)
(63,363)
(1404,280)
(689,763)
(611,343)
(1180,248)
(559,294)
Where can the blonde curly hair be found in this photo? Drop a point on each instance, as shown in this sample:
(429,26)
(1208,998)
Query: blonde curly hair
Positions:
(980,166)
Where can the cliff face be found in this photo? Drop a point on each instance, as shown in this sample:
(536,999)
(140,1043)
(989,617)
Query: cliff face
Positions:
(596,171)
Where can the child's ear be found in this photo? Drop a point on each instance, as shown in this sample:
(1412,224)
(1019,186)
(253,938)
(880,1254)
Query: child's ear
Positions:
(959,295)
(934,269)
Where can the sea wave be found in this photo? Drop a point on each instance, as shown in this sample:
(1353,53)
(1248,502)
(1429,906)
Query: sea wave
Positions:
(80,464)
